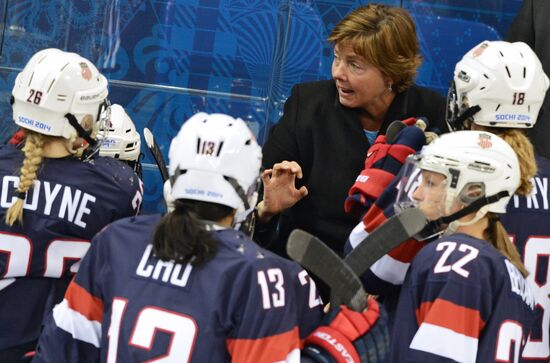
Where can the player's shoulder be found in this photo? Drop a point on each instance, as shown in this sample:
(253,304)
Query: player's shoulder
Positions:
(129,229)
(248,254)
(543,165)
(10,153)
(109,166)
(112,171)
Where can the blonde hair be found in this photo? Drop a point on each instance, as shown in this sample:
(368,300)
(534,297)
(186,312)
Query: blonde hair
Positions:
(523,147)
(386,37)
(33,149)
(496,234)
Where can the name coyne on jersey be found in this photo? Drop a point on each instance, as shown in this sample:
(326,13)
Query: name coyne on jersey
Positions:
(538,199)
(70,203)
(520,285)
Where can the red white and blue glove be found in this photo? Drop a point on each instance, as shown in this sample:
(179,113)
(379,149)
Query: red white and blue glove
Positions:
(384,160)
(347,336)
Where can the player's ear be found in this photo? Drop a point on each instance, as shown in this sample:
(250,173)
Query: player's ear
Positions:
(471,192)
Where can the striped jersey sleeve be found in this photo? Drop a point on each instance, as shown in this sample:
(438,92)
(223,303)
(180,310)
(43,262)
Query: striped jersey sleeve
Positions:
(73,330)
(387,274)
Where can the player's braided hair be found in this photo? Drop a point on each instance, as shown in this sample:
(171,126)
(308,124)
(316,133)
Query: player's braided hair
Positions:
(497,235)
(33,149)
(181,235)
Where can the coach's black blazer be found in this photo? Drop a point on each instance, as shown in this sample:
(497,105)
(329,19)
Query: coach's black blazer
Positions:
(328,142)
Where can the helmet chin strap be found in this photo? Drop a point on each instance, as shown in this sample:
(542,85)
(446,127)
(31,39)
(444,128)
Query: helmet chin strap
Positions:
(469,112)
(454,225)
(451,221)
(244,218)
(80,130)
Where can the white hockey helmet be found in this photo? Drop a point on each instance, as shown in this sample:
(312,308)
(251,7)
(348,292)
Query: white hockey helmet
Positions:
(497,84)
(215,158)
(55,85)
(122,141)
(474,164)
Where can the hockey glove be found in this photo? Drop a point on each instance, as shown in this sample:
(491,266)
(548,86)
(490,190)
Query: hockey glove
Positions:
(347,336)
(383,162)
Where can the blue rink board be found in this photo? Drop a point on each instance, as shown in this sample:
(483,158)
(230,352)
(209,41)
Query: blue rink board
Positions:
(169,59)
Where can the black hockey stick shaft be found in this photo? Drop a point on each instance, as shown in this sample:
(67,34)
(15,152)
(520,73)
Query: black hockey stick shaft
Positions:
(314,255)
(155,151)
(318,258)
(386,237)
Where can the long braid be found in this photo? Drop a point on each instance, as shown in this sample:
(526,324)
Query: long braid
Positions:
(33,159)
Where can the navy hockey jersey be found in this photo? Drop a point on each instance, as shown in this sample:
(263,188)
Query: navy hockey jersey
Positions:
(244,305)
(528,222)
(462,301)
(68,204)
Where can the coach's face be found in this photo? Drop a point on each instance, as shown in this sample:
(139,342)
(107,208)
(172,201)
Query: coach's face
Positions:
(359,83)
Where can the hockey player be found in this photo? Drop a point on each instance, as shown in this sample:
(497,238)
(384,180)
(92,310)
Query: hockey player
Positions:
(118,138)
(187,286)
(509,103)
(122,141)
(53,201)
(485,83)
(465,297)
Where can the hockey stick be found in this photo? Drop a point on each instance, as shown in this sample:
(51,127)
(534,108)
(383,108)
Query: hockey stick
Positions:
(317,257)
(385,238)
(155,151)
(314,255)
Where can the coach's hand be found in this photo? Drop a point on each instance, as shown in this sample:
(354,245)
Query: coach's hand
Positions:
(280,190)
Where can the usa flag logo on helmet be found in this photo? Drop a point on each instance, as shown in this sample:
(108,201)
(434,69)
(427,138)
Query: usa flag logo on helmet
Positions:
(484,141)
(480,49)
(85,71)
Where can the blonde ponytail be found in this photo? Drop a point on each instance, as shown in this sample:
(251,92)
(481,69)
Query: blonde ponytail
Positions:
(496,234)
(33,150)
(526,155)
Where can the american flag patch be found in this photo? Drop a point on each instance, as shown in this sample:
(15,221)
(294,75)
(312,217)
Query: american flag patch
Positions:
(85,71)
(484,141)
(479,50)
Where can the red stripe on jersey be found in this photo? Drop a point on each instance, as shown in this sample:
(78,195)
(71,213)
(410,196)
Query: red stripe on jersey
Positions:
(374,218)
(80,300)
(448,315)
(406,251)
(270,349)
